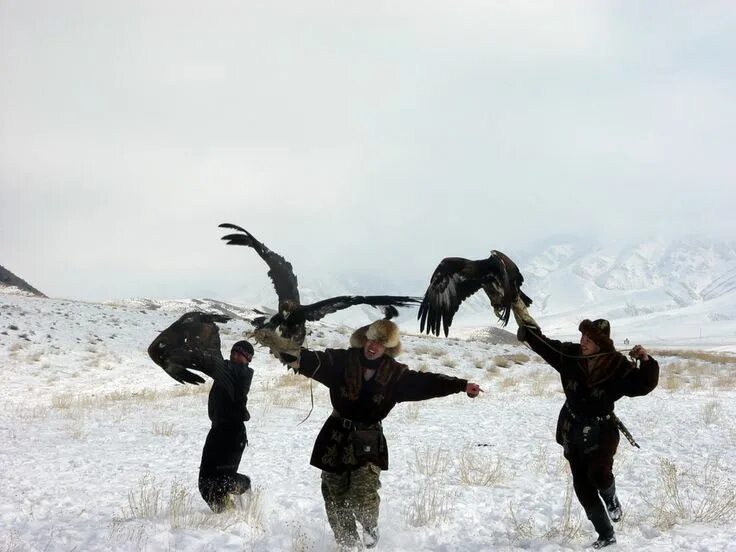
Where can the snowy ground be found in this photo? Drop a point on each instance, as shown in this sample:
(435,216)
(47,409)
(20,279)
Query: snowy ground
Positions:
(92,430)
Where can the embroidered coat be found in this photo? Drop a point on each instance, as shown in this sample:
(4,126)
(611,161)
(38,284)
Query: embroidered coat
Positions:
(591,387)
(364,402)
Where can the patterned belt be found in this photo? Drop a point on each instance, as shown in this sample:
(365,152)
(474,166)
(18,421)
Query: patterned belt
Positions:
(611,417)
(351,424)
(605,418)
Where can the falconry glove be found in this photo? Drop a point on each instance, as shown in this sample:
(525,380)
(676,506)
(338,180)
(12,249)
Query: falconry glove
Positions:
(287,351)
(523,319)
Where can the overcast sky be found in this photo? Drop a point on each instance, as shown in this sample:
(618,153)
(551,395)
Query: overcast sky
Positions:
(371,136)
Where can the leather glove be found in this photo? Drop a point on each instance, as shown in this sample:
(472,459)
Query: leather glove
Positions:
(286,350)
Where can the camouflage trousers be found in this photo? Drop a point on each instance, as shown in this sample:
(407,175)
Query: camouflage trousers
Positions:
(349,497)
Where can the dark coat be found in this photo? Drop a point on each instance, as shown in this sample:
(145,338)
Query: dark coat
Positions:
(591,387)
(228,398)
(364,402)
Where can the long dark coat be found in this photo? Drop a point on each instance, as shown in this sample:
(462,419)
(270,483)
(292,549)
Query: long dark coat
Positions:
(591,388)
(365,402)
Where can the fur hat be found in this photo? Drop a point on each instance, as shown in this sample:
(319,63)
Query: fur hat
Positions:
(598,331)
(383,331)
(243,347)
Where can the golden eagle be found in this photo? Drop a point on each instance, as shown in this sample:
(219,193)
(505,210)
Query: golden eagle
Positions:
(289,321)
(193,341)
(455,279)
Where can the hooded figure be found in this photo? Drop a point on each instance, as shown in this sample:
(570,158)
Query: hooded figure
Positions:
(594,376)
(365,383)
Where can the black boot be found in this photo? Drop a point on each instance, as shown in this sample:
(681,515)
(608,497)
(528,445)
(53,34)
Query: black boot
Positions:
(241,484)
(602,524)
(602,543)
(612,503)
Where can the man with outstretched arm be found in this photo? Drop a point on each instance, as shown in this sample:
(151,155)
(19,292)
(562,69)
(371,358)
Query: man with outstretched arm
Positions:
(365,383)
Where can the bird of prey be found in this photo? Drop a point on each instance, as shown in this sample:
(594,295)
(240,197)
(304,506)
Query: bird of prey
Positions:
(291,317)
(193,341)
(455,279)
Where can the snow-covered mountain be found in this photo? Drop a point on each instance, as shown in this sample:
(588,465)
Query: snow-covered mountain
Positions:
(570,276)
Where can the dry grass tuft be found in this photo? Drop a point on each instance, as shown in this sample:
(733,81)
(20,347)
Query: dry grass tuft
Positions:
(66,401)
(431,461)
(428,507)
(176,511)
(504,361)
(705,356)
(703,495)
(710,412)
(449,363)
(564,530)
(477,468)
(163,429)
(428,350)
(507,383)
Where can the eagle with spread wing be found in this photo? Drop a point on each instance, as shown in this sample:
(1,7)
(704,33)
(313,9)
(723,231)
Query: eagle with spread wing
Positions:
(192,342)
(290,319)
(455,279)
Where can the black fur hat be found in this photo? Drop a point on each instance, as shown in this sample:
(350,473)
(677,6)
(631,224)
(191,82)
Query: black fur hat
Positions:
(599,331)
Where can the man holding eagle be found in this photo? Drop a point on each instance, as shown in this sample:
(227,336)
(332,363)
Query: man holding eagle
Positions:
(366,381)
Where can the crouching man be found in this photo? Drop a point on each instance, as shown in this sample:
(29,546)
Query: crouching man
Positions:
(365,383)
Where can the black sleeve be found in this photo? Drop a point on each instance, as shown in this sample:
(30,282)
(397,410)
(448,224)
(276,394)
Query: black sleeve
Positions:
(550,350)
(418,386)
(322,366)
(642,381)
(222,372)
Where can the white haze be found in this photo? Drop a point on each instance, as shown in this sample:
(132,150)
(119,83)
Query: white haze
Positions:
(377,138)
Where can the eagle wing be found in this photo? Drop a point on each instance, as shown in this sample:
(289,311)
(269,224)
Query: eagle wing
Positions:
(386,303)
(454,280)
(503,283)
(192,342)
(280,270)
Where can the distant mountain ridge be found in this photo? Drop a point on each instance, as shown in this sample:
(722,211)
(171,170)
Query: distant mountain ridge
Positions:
(655,275)
(565,275)
(9,283)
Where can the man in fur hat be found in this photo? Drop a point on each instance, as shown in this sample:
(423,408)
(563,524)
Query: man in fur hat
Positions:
(594,376)
(365,383)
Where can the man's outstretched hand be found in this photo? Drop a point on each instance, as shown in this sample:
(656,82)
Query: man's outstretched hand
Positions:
(473,390)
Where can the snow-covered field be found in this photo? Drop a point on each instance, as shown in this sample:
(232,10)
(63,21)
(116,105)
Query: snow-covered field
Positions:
(101,448)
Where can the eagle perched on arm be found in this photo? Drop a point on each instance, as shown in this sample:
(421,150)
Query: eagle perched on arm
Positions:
(290,320)
(455,279)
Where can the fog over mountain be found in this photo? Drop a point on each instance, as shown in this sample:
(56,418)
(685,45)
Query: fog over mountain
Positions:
(675,291)
(653,284)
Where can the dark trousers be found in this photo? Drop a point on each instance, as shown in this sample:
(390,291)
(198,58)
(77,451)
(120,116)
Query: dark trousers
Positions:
(592,472)
(218,471)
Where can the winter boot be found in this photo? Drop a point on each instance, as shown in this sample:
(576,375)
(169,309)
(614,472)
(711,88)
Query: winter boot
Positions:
(370,536)
(602,524)
(241,484)
(612,503)
(602,543)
